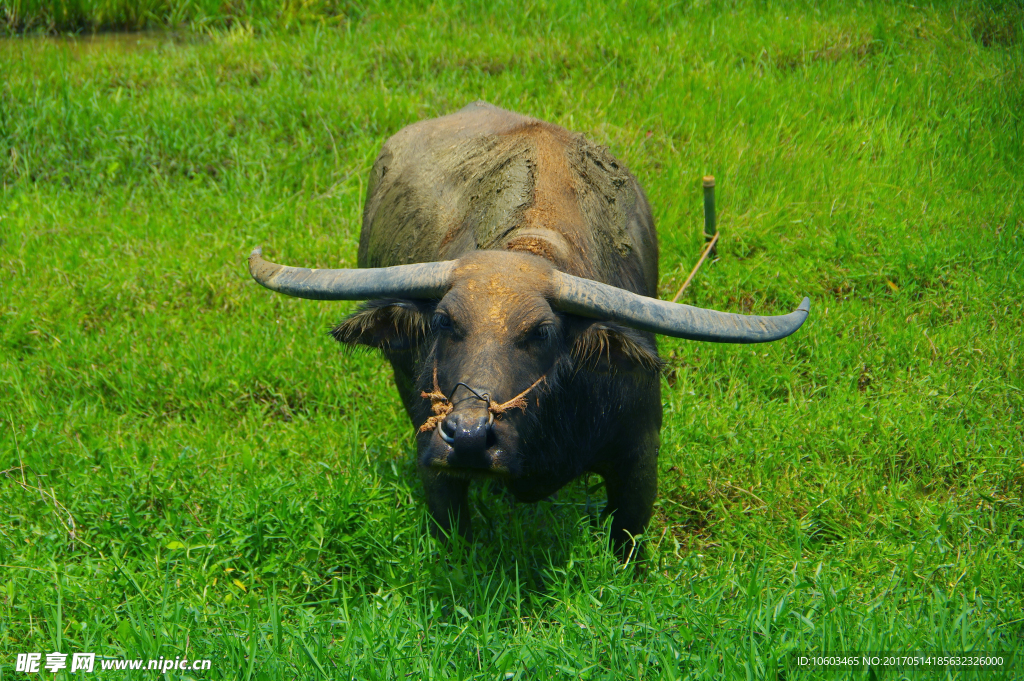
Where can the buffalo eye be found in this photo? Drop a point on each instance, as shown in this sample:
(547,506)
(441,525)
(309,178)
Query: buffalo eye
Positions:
(542,332)
(441,322)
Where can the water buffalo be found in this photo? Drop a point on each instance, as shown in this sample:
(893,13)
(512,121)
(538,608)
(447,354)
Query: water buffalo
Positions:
(511,273)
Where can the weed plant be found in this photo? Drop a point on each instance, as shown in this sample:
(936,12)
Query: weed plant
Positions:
(192,467)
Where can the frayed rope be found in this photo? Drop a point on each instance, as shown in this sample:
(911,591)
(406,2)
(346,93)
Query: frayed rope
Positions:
(442,406)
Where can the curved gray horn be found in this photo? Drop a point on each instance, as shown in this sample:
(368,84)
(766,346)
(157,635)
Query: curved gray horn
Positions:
(424,280)
(593,299)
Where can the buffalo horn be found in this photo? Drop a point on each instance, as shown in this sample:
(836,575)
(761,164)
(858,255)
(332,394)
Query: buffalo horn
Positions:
(593,299)
(423,280)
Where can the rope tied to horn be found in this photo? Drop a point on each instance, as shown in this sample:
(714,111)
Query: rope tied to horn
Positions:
(442,406)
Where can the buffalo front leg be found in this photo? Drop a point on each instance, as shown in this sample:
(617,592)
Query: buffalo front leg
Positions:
(631,481)
(447,504)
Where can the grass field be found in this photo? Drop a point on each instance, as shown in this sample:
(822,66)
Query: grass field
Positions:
(192,467)
(57,17)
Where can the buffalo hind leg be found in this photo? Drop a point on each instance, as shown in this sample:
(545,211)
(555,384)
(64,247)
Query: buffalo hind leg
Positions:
(632,485)
(447,504)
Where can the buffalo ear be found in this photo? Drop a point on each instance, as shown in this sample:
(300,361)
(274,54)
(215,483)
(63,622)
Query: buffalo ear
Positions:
(604,346)
(389,325)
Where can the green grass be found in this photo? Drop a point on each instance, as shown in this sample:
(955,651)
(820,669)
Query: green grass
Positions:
(192,467)
(76,16)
